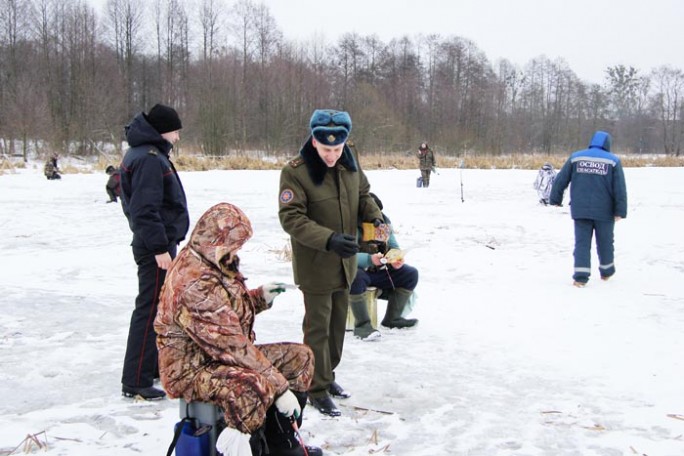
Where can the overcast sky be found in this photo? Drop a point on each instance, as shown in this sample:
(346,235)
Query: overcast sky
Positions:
(589,34)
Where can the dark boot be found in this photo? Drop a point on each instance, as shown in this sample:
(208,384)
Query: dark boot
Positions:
(362,324)
(148,393)
(257,442)
(281,437)
(397,300)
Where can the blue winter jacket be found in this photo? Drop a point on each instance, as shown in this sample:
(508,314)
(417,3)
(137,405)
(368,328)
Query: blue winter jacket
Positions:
(598,190)
(152,194)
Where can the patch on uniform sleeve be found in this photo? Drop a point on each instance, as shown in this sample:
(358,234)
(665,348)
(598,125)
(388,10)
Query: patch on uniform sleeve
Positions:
(286,196)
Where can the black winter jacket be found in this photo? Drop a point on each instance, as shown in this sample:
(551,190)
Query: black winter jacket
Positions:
(151,191)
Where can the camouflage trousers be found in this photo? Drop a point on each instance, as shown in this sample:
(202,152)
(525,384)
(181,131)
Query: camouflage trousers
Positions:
(245,395)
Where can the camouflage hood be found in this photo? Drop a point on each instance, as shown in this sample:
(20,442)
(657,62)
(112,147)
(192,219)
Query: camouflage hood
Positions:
(205,317)
(221,231)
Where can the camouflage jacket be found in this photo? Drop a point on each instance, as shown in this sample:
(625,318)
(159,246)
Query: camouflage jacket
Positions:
(206,312)
(426,159)
(315,202)
(50,167)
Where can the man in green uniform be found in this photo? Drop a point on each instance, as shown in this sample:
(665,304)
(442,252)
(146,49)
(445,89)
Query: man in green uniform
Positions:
(323,197)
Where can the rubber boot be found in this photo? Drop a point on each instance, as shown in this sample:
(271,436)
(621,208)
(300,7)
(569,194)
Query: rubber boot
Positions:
(362,324)
(280,435)
(258,443)
(397,300)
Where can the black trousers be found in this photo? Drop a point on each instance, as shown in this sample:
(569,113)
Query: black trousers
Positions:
(140,362)
(111,194)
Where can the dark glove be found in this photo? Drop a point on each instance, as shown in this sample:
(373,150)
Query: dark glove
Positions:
(377,222)
(343,244)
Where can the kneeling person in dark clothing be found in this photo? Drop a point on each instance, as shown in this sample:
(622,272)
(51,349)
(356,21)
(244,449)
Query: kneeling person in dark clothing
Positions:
(113,186)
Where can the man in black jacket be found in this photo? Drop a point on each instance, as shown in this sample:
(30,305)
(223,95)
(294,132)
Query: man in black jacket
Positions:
(154,204)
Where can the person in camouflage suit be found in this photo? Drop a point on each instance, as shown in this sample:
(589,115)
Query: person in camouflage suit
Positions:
(206,340)
(51,169)
(426,163)
(323,196)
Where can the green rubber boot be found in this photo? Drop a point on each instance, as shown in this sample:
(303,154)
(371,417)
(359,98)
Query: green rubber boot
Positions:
(362,324)
(398,298)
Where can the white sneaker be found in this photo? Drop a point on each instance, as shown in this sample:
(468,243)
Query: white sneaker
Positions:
(375,335)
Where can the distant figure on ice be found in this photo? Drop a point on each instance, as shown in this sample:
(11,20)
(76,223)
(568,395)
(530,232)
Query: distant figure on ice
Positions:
(154,203)
(544,182)
(599,199)
(426,164)
(113,186)
(206,340)
(383,268)
(51,168)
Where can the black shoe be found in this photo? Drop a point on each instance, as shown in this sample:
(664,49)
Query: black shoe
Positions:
(337,391)
(325,405)
(148,393)
(313,451)
(400,323)
(294,451)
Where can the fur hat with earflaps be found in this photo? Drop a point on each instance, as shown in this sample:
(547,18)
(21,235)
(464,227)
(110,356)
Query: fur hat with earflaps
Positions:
(330,127)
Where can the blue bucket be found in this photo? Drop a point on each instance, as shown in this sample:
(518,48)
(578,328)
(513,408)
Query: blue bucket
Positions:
(419,182)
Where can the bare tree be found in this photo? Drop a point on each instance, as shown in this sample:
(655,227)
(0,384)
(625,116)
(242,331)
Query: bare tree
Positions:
(667,103)
(213,108)
(15,77)
(125,19)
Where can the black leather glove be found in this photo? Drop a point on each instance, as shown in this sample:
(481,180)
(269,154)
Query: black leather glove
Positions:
(377,222)
(343,244)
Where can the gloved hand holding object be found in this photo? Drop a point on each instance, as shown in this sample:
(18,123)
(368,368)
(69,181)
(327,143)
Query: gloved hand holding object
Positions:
(343,244)
(271,290)
(288,405)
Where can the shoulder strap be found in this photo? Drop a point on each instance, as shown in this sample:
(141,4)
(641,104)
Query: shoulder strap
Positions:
(179,428)
(177,433)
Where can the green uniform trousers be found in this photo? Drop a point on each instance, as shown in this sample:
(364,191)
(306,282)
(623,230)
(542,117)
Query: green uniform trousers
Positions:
(324,326)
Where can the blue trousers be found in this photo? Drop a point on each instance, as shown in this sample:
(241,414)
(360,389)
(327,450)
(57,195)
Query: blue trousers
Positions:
(584,230)
(388,278)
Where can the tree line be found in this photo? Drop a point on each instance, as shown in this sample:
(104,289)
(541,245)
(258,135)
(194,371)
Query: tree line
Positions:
(71,78)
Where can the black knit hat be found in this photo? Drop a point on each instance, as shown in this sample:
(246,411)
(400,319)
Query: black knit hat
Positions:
(164,119)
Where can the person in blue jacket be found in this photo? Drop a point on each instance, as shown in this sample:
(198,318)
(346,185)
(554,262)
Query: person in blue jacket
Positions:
(154,203)
(598,199)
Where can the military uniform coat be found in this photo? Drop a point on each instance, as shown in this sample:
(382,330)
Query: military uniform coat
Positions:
(315,202)
(205,321)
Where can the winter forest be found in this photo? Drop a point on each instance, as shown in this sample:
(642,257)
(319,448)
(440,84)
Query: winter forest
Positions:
(73,76)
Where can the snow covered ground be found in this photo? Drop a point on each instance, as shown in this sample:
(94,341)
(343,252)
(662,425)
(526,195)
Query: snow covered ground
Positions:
(508,359)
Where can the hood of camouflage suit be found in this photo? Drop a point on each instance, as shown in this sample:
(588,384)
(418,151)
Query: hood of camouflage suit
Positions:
(221,231)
